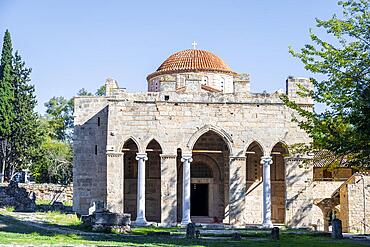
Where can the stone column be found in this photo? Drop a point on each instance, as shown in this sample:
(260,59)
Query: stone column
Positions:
(266,161)
(186,160)
(115,182)
(168,189)
(140,201)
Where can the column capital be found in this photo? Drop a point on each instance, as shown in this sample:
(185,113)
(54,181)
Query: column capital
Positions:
(266,160)
(142,156)
(114,154)
(186,157)
(237,158)
(168,156)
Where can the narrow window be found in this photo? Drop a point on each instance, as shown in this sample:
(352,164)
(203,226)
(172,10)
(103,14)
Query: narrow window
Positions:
(166,97)
(96,149)
(98,121)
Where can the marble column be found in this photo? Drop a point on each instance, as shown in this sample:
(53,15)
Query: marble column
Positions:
(140,203)
(186,160)
(266,161)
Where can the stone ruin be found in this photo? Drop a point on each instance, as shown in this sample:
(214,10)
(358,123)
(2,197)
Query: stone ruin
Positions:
(19,198)
(101,220)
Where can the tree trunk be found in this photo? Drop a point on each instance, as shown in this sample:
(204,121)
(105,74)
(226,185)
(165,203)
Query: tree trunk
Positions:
(3,159)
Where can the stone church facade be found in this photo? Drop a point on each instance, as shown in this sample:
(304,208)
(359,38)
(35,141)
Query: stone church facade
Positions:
(198,146)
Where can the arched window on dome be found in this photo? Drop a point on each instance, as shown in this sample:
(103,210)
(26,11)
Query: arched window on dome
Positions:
(205,80)
(180,81)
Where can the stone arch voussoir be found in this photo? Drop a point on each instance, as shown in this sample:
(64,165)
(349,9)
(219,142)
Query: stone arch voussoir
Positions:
(221,132)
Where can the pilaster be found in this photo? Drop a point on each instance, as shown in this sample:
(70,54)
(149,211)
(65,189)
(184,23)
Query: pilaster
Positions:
(237,188)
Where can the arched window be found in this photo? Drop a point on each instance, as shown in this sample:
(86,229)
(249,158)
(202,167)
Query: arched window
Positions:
(205,80)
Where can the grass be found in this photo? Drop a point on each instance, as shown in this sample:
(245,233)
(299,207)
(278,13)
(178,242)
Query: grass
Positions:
(9,209)
(58,218)
(48,202)
(13,231)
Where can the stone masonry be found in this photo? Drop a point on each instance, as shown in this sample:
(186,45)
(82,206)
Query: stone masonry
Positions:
(229,133)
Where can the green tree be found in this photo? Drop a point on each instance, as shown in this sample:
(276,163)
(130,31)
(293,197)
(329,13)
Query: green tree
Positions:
(26,136)
(101,91)
(59,112)
(6,100)
(343,128)
(84,92)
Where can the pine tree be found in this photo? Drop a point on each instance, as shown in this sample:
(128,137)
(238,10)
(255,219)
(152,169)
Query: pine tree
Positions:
(6,100)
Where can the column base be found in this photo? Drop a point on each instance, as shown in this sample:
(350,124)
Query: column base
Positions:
(267,224)
(141,222)
(185,222)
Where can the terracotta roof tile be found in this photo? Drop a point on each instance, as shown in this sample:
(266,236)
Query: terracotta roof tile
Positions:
(192,61)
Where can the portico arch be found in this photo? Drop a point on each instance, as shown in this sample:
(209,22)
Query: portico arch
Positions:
(215,129)
(209,175)
(278,187)
(152,179)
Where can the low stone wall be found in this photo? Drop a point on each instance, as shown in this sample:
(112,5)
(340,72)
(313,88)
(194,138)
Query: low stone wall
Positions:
(47,192)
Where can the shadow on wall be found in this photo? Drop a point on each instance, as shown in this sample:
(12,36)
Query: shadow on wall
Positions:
(300,204)
(89,161)
(237,198)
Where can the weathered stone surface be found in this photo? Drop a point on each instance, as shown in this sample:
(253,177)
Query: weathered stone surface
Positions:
(179,116)
(48,192)
(17,197)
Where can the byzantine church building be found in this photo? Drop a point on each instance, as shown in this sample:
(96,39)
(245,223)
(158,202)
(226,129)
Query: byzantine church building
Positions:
(198,147)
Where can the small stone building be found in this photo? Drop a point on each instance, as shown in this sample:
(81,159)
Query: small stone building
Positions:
(198,146)
(352,201)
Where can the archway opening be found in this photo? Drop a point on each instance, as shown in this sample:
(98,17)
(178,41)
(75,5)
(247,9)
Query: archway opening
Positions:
(278,187)
(153,182)
(130,177)
(254,168)
(209,178)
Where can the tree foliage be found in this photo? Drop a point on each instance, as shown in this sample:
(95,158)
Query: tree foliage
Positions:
(343,128)
(6,100)
(26,136)
(59,113)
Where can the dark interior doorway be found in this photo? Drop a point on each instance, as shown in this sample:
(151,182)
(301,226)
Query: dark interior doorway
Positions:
(199,200)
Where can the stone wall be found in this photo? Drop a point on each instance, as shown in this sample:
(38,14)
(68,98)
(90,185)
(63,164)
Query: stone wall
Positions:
(305,205)
(175,121)
(355,204)
(48,192)
(90,154)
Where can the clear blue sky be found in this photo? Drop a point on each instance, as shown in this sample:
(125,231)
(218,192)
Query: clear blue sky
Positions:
(77,44)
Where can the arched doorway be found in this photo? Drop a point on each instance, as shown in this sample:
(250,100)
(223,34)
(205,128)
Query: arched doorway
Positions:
(152,180)
(278,188)
(254,168)
(209,174)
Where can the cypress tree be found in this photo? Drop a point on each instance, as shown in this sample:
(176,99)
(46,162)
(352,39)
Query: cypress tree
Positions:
(6,100)
(26,135)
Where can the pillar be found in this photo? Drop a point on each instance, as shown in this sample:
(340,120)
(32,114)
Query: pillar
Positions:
(186,160)
(140,205)
(115,182)
(168,189)
(237,186)
(266,161)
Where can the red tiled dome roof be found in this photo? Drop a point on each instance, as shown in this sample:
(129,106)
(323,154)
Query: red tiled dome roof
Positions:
(192,61)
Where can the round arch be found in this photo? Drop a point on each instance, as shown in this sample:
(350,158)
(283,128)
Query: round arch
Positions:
(211,128)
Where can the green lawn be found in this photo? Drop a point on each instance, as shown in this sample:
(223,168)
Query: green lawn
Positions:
(13,231)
